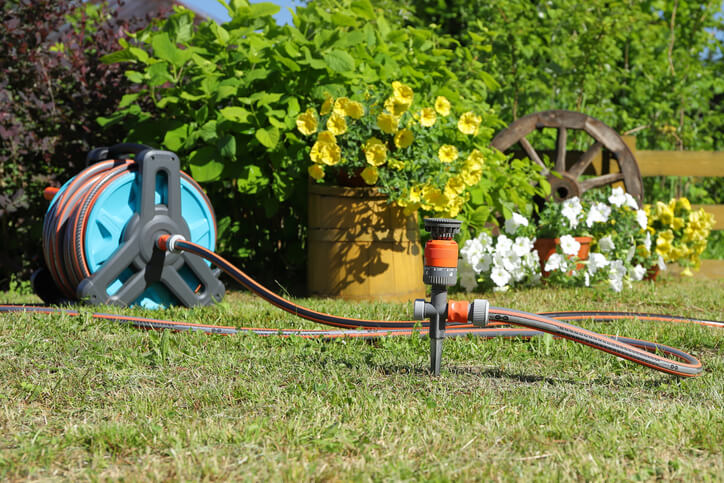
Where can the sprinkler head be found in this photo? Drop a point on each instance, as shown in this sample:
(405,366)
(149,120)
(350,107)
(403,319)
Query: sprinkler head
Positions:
(442,228)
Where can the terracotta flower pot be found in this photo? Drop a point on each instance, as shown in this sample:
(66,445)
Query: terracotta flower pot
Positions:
(547,247)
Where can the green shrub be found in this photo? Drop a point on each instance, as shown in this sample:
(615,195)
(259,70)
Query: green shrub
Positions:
(226,97)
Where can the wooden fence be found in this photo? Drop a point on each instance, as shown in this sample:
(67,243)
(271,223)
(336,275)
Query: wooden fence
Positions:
(686,163)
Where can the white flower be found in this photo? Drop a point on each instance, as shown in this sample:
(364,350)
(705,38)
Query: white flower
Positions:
(605,244)
(631,202)
(596,261)
(661,263)
(642,219)
(638,273)
(511,261)
(512,223)
(569,245)
(599,212)
(522,245)
(467,277)
(554,262)
(531,261)
(587,279)
(617,198)
(504,245)
(499,276)
(572,209)
(615,275)
(483,264)
(486,241)
(471,251)
(630,253)
(647,241)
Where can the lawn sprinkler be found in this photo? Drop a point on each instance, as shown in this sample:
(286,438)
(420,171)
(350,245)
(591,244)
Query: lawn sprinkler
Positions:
(138,231)
(440,272)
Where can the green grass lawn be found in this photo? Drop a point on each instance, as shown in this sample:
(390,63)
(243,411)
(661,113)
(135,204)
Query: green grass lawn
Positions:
(88,399)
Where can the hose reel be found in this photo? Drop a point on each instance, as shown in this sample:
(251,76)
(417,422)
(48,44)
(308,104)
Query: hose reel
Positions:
(100,229)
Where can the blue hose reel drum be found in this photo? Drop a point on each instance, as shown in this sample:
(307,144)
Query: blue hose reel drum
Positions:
(101,228)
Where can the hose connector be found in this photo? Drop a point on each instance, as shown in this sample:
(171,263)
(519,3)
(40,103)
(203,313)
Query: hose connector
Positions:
(168,242)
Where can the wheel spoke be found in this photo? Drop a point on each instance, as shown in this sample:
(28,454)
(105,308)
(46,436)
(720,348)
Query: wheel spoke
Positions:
(532,154)
(585,159)
(561,149)
(604,180)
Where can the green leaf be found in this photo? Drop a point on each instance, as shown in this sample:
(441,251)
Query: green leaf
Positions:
(264,9)
(204,166)
(139,54)
(251,179)
(127,99)
(166,50)
(267,137)
(208,131)
(364,9)
(158,74)
(227,146)
(134,76)
(175,138)
(339,61)
(235,113)
(124,55)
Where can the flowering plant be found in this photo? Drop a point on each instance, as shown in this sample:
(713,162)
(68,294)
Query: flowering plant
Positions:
(679,233)
(420,156)
(621,247)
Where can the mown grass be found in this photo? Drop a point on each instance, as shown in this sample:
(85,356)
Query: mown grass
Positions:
(87,399)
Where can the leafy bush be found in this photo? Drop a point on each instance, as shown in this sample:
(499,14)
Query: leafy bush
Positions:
(226,97)
(52,88)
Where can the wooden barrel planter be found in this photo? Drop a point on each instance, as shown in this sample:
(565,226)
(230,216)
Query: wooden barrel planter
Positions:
(362,248)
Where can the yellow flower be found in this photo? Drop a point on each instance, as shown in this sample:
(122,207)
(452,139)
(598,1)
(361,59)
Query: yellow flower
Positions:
(326,153)
(427,117)
(387,123)
(396,106)
(396,164)
(454,186)
(307,122)
(475,160)
(682,204)
(471,177)
(469,123)
(404,138)
(327,105)
(370,175)
(434,198)
(340,106)
(414,195)
(664,213)
(687,272)
(442,106)
(354,109)
(375,152)
(402,92)
(336,124)
(316,171)
(447,153)
(326,137)
(678,223)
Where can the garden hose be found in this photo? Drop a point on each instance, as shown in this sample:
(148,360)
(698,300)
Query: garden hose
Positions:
(139,231)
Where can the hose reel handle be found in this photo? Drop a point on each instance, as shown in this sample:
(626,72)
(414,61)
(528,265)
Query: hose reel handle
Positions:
(114,152)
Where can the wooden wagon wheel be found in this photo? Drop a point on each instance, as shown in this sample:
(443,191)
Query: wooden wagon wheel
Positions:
(571,165)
